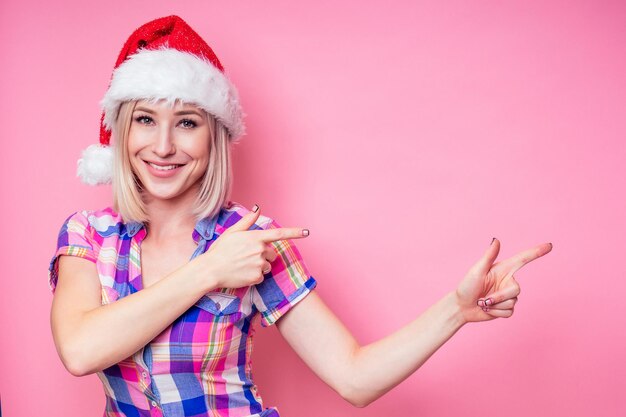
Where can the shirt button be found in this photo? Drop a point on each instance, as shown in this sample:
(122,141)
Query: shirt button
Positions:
(153,403)
(218,306)
(143,374)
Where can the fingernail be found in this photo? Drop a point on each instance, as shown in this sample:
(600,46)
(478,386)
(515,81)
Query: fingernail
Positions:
(305,232)
(550,244)
(492,241)
(489,301)
(255,208)
(481,303)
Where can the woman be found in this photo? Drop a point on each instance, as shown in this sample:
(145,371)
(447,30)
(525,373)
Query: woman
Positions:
(167,321)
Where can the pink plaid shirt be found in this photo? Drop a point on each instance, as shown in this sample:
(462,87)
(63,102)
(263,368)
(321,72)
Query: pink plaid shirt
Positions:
(200,364)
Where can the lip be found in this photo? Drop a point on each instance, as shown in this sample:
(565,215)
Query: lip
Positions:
(162,164)
(162,173)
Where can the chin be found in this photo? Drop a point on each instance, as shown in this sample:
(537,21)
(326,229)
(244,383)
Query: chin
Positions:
(169,191)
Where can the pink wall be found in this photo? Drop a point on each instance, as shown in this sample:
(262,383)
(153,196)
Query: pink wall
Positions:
(405,137)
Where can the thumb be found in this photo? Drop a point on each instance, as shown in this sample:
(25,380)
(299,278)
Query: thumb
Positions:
(484,263)
(246,221)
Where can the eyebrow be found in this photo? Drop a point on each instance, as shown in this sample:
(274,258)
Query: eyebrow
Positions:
(178,113)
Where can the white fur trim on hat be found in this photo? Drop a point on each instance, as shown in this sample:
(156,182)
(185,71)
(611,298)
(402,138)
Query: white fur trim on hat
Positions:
(96,165)
(171,74)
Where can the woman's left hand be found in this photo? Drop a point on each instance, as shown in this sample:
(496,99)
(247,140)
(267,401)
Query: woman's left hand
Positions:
(489,290)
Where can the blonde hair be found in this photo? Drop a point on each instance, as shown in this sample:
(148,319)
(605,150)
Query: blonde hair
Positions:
(215,186)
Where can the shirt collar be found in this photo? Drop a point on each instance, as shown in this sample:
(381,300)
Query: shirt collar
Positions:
(204,228)
(133,227)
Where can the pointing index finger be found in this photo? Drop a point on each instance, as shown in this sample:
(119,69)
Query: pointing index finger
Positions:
(281,233)
(519,260)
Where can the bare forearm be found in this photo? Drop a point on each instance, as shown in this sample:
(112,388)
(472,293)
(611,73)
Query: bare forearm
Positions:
(113,332)
(379,366)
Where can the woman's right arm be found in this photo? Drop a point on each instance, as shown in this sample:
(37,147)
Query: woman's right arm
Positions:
(90,337)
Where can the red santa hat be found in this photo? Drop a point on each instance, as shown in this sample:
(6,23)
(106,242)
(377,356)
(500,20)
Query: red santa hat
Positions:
(163,59)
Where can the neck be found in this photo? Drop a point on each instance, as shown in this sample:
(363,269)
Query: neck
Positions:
(172,217)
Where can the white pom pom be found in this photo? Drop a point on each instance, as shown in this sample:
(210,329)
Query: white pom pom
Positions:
(96,165)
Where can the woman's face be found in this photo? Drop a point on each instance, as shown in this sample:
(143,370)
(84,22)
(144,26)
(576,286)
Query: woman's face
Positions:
(169,148)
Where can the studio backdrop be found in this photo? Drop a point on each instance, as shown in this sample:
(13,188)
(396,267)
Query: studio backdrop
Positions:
(404,135)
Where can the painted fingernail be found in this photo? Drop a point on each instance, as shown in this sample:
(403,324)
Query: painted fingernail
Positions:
(305,232)
(489,301)
(481,303)
(255,208)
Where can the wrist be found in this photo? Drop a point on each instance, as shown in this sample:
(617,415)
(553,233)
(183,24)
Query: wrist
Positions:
(456,309)
(201,275)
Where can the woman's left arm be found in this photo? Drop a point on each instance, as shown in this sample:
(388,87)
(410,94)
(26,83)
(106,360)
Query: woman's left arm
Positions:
(361,374)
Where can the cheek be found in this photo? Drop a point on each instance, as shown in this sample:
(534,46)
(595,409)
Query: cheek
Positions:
(134,142)
(201,148)
(133,146)
(133,165)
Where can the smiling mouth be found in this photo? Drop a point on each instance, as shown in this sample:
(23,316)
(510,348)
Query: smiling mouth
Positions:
(163,167)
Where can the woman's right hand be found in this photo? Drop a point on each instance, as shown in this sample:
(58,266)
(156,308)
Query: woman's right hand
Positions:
(240,257)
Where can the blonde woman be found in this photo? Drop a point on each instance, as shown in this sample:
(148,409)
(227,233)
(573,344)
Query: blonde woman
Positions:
(160,291)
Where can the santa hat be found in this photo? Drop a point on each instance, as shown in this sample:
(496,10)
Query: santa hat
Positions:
(163,59)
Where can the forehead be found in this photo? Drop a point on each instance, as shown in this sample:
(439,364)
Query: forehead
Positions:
(162,104)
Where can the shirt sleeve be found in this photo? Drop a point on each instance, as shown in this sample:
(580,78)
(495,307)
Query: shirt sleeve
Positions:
(285,285)
(75,239)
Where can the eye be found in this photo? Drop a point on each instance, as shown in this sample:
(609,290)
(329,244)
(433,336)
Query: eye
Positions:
(188,123)
(144,120)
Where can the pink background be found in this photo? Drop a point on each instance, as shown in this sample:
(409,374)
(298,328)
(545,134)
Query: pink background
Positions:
(405,137)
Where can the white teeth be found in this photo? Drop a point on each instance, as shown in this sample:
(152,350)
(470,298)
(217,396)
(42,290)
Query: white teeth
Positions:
(163,168)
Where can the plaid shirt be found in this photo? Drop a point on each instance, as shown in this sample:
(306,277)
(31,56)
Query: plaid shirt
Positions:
(200,364)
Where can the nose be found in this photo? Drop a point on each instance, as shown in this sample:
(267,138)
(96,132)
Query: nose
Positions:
(164,144)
